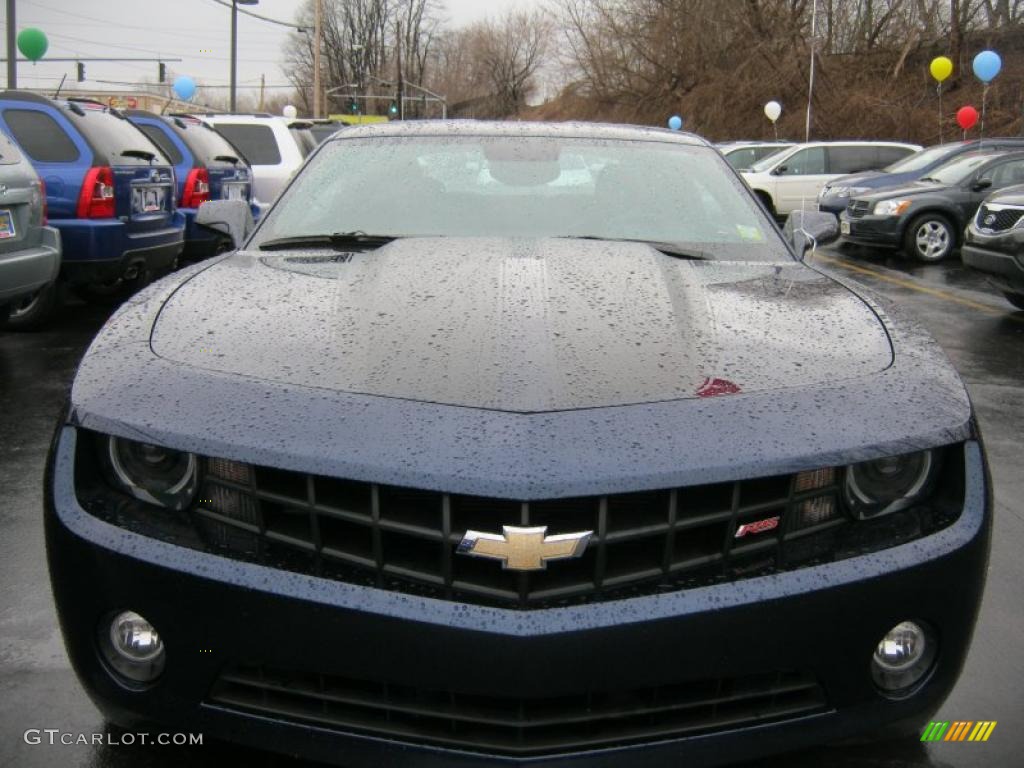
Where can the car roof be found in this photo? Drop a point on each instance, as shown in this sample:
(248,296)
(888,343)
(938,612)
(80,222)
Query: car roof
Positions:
(525,129)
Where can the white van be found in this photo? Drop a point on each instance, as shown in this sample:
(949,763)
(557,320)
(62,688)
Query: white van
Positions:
(790,180)
(271,149)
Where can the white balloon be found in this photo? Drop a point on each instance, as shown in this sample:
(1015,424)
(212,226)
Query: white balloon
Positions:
(290,112)
(772,110)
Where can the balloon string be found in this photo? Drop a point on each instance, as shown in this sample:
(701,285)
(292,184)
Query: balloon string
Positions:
(984,96)
(938,89)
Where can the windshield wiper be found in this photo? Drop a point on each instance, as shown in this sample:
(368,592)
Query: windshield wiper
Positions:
(141,153)
(669,249)
(340,240)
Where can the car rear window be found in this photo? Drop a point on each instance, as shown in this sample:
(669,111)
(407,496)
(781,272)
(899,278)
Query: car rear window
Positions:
(40,136)
(111,136)
(256,142)
(9,154)
(206,144)
(158,137)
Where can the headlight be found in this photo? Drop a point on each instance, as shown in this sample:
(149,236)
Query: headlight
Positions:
(891,207)
(152,473)
(878,487)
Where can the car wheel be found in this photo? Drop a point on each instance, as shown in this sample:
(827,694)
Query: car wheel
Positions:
(930,237)
(766,201)
(31,312)
(1017,299)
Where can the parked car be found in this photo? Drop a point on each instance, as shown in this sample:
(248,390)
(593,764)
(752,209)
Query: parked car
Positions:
(790,180)
(109,190)
(926,217)
(743,154)
(445,473)
(207,167)
(835,196)
(29,249)
(994,242)
(272,151)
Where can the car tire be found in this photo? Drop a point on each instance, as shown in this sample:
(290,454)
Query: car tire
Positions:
(31,312)
(930,238)
(1017,299)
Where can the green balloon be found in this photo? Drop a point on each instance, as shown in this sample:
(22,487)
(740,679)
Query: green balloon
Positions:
(32,43)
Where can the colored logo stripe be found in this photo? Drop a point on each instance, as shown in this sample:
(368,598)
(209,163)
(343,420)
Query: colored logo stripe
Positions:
(959,730)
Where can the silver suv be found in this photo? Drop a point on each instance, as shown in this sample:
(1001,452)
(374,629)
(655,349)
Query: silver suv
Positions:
(29,250)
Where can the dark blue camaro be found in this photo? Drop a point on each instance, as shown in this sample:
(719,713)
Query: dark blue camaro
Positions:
(517,444)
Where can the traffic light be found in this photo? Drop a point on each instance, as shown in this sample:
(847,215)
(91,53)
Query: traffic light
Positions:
(162,72)
(354,106)
(393,109)
(81,71)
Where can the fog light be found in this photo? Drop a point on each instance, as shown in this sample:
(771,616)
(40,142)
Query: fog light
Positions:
(132,647)
(903,657)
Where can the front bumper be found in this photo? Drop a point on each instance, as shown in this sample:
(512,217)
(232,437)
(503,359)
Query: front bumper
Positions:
(885,231)
(214,613)
(1000,256)
(25,271)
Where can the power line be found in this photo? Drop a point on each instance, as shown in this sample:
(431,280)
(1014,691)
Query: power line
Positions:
(261,18)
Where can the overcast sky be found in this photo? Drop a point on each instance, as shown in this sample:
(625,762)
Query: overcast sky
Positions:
(196,31)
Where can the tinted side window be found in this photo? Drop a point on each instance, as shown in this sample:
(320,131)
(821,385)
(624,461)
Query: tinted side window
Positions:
(889,155)
(805,162)
(158,137)
(256,142)
(852,159)
(1006,174)
(742,158)
(40,136)
(206,144)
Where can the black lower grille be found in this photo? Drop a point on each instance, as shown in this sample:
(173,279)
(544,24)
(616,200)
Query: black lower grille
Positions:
(998,219)
(519,726)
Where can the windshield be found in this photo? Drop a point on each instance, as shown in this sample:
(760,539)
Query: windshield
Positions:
(921,160)
(467,186)
(959,168)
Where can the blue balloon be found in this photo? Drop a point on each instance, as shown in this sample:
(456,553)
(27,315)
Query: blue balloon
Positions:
(184,87)
(987,65)
(675,123)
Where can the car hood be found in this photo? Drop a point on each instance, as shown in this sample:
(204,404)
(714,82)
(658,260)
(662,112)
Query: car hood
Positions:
(1007,196)
(520,325)
(906,190)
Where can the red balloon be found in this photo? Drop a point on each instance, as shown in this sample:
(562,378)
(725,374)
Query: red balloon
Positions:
(967,117)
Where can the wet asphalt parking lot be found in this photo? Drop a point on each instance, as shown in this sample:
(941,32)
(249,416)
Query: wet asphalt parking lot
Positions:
(981,333)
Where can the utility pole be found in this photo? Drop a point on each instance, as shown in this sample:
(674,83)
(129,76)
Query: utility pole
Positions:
(810,83)
(12,47)
(317,31)
(234,51)
(400,83)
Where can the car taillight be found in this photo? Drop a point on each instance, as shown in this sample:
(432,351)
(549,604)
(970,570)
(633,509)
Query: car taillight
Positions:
(46,208)
(96,200)
(197,188)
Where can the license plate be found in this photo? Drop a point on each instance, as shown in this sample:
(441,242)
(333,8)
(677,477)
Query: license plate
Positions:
(6,224)
(148,199)
(844,227)
(234,192)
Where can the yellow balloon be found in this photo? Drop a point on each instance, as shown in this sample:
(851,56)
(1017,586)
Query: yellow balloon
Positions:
(941,68)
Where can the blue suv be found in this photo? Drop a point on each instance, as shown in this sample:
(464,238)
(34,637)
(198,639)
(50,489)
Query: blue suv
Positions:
(109,191)
(208,167)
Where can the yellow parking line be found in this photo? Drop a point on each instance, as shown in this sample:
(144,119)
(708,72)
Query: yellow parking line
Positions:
(910,284)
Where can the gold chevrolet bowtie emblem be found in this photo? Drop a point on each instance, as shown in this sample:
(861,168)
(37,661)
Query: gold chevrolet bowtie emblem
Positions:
(524,549)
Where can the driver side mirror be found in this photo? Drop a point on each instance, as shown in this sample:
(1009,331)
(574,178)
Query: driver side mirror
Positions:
(806,230)
(980,184)
(779,170)
(232,218)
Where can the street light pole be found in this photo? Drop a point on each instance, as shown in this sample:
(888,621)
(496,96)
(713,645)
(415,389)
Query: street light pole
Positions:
(234,45)
(12,47)
(317,33)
